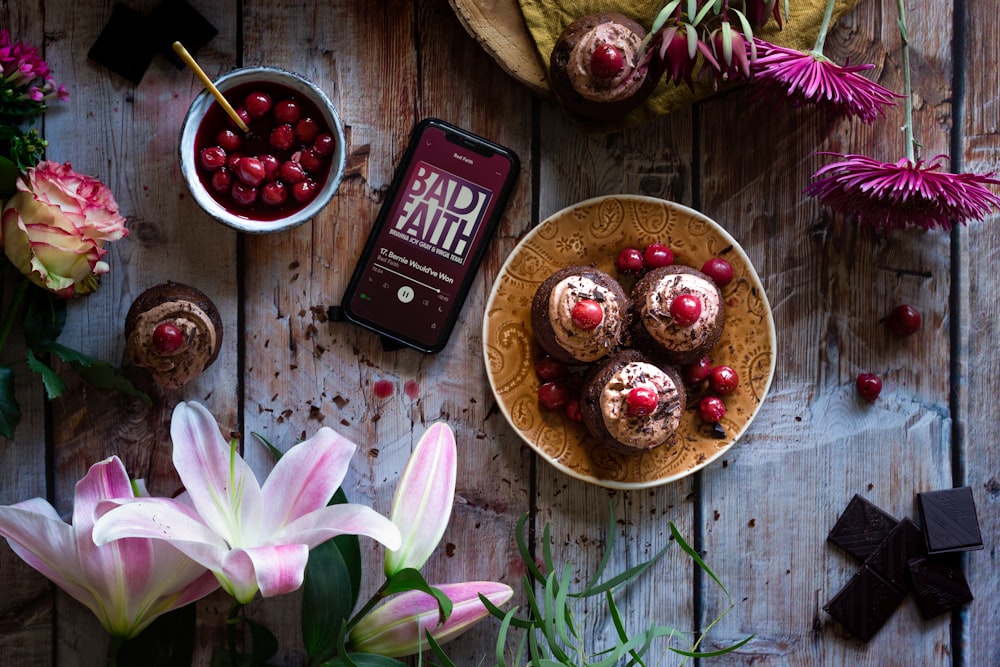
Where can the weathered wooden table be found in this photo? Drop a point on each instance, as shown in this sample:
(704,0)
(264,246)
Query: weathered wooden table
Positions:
(760,514)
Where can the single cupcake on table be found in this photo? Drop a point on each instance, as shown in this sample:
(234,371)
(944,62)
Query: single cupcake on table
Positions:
(596,69)
(579,315)
(631,404)
(678,314)
(173,331)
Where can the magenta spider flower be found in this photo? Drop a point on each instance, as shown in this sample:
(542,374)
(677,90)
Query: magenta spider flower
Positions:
(903,194)
(812,78)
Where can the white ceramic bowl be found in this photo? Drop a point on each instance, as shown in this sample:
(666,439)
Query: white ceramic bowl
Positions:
(189,157)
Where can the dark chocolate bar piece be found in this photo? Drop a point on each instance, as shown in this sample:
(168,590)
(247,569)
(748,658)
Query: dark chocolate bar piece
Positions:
(865,603)
(178,21)
(950,521)
(904,543)
(939,584)
(861,528)
(124,45)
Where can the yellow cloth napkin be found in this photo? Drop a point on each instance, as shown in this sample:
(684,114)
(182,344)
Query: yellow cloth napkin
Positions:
(547,19)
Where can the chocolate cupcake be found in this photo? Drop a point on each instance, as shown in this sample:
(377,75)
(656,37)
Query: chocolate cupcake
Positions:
(579,314)
(596,69)
(677,314)
(631,404)
(173,331)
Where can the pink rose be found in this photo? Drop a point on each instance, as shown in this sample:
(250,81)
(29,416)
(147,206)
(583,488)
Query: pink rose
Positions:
(54,228)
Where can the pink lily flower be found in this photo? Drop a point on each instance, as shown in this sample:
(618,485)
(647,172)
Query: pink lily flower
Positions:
(252,537)
(397,628)
(424,497)
(126,584)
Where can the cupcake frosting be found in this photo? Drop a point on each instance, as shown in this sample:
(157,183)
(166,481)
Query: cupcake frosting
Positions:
(594,88)
(585,345)
(658,322)
(177,368)
(640,432)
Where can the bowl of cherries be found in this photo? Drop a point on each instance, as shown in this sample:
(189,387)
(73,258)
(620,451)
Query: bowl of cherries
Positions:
(280,173)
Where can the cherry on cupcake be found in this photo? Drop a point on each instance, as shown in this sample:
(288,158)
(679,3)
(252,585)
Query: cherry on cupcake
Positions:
(587,314)
(723,380)
(167,338)
(685,309)
(606,62)
(869,386)
(657,255)
(548,369)
(629,260)
(904,320)
(719,270)
(553,395)
(572,410)
(697,372)
(711,409)
(641,401)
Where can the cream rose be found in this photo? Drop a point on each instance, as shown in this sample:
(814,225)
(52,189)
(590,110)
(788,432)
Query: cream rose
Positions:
(54,228)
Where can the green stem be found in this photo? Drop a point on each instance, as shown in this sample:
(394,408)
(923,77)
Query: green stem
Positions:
(911,144)
(375,599)
(824,28)
(114,645)
(15,306)
(234,617)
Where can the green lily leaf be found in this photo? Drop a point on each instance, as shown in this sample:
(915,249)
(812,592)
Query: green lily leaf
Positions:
(10,412)
(409,579)
(265,644)
(98,373)
(54,385)
(364,660)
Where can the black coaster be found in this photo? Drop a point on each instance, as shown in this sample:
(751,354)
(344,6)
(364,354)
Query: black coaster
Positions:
(177,21)
(950,521)
(861,528)
(939,585)
(124,45)
(904,543)
(865,604)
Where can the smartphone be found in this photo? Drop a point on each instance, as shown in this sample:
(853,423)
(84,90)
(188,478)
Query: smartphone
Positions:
(444,203)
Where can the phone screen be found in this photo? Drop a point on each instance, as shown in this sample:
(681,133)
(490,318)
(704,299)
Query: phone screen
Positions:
(418,263)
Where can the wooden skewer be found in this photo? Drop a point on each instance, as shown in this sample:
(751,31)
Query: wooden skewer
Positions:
(190,62)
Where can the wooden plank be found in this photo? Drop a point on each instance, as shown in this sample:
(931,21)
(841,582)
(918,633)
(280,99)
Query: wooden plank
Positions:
(815,443)
(976,293)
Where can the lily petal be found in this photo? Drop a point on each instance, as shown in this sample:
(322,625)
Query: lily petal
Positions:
(424,497)
(331,520)
(278,569)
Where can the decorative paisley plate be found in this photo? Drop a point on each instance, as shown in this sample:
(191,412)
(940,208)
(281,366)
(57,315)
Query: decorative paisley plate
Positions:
(591,233)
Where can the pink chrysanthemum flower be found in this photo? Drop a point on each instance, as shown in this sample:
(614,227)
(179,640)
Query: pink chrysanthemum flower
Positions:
(903,194)
(815,79)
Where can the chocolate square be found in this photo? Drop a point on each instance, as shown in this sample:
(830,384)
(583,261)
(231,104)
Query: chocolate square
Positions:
(177,21)
(939,584)
(861,528)
(865,603)
(950,521)
(904,543)
(124,45)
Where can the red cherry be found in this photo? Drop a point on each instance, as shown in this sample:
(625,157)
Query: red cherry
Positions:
(697,372)
(274,193)
(287,111)
(711,409)
(324,145)
(291,172)
(656,255)
(306,130)
(548,369)
(553,395)
(629,261)
(167,338)
(606,61)
(587,314)
(869,386)
(303,191)
(243,194)
(282,137)
(212,158)
(719,270)
(271,165)
(642,401)
(311,161)
(228,140)
(572,410)
(723,380)
(221,180)
(244,116)
(250,170)
(685,309)
(257,104)
(234,159)
(904,320)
